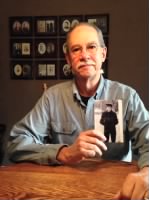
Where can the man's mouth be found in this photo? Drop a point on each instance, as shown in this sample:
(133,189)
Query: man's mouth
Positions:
(85,65)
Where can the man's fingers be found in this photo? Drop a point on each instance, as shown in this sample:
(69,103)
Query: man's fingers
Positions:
(90,153)
(90,150)
(96,134)
(95,141)
(117,196)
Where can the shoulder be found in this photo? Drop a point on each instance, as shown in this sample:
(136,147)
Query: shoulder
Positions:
(120,88)
(59,90)
(61,87)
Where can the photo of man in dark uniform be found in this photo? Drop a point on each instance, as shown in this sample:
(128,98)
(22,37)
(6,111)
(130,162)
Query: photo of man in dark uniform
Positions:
(109,121)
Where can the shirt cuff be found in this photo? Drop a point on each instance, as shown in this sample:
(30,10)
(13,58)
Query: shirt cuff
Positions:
(49,156)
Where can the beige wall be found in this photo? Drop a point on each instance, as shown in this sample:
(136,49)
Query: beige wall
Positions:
(127,48)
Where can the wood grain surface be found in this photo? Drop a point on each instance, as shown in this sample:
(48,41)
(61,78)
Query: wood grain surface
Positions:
(90,179)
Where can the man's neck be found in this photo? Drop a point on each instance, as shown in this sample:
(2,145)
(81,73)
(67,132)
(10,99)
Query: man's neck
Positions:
(87,88)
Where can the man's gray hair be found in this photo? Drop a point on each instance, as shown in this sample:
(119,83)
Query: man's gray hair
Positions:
(98,30)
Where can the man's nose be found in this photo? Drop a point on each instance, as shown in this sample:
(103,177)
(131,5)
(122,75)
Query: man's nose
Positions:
(84,53)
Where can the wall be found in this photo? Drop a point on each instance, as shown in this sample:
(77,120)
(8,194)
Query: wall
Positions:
(127,48)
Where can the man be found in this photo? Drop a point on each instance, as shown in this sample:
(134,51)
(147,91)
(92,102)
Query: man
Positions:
(109,120)
(60,128)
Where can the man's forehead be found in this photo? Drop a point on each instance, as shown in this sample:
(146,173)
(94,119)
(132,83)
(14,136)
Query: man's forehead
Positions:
(83,34)
(83,27)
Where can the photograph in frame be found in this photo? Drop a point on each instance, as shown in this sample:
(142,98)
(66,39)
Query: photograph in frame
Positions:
(101,21)
(67,22)
(21,26)
(21,48)
(46,48)
(46,25)
(62,47)
(21,69)
(46,69)
(65,70)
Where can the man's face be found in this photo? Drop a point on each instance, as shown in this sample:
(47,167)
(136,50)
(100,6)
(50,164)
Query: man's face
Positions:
(109,108)
(85,54)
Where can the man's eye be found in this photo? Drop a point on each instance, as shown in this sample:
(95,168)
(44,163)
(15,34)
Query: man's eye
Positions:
(76,49)
(92,47)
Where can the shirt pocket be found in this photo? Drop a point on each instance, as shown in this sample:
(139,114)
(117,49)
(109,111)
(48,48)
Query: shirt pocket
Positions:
(65,128)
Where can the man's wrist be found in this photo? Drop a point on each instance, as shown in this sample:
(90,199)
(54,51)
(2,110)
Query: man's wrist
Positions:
(61,155)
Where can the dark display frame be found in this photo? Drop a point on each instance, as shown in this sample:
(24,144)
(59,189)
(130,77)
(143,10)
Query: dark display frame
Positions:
(41,40)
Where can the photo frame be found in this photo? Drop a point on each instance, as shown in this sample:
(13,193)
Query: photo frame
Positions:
(21,26)
(45,25)
(62,47)
(21,48)
(21,69)
(46,48)
(65,70)
(41,40)
(46,69)
(67,22)
(101,21)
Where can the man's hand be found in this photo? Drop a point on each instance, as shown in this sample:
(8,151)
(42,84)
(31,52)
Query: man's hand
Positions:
(88,144)
(136,186)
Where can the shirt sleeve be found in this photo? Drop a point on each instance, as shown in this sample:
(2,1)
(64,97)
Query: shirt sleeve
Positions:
(27,141)
(138,125)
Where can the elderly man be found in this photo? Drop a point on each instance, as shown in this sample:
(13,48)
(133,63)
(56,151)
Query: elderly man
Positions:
(60,128)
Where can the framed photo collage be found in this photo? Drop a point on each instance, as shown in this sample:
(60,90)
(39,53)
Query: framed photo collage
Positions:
(37,45)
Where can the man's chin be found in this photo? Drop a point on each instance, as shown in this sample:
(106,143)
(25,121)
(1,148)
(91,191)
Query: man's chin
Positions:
(87,75)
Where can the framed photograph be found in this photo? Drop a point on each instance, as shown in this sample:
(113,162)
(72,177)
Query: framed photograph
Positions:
(101,21)
(39,43)
(45,25)
(65,70)
(46,70)
(21,48)
(62,47)
(21,70)
(21,26)
(111,127)
(46,48)
(67,22)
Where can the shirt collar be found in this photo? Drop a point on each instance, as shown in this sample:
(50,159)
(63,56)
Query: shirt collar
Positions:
(98,91)
(100,88)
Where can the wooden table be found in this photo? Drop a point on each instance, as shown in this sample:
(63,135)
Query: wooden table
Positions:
(90,179)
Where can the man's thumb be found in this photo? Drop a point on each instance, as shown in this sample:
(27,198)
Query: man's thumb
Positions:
(117,196)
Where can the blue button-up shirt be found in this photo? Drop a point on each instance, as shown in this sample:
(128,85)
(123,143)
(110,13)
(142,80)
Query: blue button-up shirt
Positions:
(60,115)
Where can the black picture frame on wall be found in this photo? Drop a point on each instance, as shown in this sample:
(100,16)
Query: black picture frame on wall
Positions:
(44,39)
(101,21)
(46,69)
(21,26)
(21,69)
(62,47)
(46,25)
(65,70)
(21,48)
(46,48)
(67,22)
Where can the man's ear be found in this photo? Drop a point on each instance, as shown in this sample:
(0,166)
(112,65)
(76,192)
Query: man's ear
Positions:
(67,59)
(104,53)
